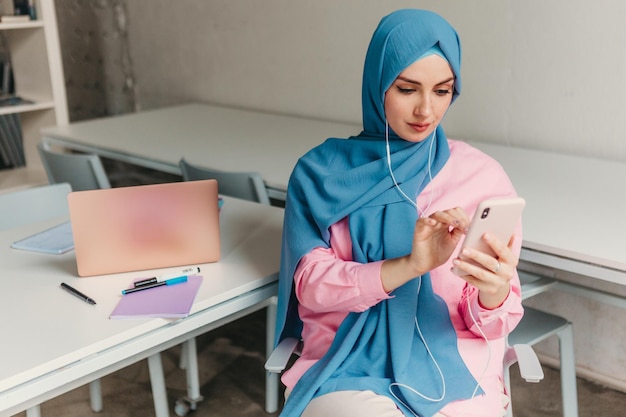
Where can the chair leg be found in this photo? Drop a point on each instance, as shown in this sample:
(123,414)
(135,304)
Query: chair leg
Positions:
(568,372)
(271,378)
(95,395)
(34,411)
(157,380)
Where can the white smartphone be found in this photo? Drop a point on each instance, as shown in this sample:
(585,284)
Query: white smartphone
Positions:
(497,216)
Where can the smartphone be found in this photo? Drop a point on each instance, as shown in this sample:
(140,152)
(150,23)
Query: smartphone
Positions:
(498,217)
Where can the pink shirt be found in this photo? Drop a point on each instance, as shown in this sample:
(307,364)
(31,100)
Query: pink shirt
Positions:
(329,285)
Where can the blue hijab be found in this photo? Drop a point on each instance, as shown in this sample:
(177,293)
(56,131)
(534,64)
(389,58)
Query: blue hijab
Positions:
(379,348)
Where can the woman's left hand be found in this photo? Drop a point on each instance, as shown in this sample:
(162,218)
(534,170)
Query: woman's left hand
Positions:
(493,276)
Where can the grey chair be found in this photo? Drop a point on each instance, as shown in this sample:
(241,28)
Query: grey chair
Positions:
(245,185)
(82,171)
(524,355)
(519,350)
(537,325)
(85,172)
(31,205)
(534,327)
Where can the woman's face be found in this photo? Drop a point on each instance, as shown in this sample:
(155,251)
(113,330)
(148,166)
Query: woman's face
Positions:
(419,98)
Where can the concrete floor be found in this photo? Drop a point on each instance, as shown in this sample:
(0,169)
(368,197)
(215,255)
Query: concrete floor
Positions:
(232,382)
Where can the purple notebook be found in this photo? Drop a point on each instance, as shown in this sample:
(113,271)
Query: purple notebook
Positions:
(167,301)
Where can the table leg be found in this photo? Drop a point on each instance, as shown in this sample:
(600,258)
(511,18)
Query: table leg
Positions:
(157,380)
(34,411)
(193,377)
(95,395)
(271,378)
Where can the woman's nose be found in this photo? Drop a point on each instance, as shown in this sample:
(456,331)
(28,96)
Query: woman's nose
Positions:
(423,105)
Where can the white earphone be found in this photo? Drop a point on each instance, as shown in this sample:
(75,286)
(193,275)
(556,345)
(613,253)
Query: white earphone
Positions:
(393,177)
(417,327)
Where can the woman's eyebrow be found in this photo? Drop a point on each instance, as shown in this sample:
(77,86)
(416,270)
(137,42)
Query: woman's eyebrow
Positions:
(408,80)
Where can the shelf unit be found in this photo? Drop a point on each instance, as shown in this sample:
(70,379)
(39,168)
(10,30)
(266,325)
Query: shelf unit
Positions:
(38,76)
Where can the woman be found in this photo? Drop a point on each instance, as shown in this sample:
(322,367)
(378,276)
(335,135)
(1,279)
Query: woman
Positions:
(372,226)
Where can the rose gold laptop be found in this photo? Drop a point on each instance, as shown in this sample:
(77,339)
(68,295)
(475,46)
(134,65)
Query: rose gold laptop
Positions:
(145,227)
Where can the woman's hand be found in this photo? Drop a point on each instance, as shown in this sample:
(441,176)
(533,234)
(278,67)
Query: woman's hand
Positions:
(434,239)
(493,276)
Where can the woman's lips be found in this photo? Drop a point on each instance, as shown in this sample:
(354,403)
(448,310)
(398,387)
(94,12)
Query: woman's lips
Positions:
(419,127)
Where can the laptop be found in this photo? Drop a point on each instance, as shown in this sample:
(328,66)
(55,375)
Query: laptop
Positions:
(145,227)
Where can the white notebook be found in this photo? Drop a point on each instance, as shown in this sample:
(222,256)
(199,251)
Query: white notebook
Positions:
(55,240)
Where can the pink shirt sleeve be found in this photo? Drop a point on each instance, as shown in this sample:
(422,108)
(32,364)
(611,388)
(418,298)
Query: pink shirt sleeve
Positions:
(493,323)
(327,280)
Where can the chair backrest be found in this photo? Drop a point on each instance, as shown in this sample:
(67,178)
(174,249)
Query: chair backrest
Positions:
(82,171)
(30,205)
(244,185)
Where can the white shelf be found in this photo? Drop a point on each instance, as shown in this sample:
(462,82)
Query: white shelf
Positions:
(23,108)
(38,77)
(22,25)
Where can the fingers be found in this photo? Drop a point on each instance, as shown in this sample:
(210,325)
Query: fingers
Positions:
(436,237)
(503,253)
(493,284)
(454,218)
(485,270)
(452,222)
(501,250)
(492,277)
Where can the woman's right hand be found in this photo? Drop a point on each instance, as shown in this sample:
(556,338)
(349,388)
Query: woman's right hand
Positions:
(434,239)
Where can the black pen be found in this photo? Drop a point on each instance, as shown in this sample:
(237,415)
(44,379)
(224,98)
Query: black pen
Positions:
(171,281)
(77,293)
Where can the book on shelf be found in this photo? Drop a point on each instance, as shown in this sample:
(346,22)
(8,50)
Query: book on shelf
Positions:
(5,152)
(8,83)
(11,145)
(25,7)
(13,101)
(17,145)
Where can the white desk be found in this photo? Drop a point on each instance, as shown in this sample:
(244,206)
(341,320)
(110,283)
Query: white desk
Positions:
(216,137)
(572,222)
(54,342)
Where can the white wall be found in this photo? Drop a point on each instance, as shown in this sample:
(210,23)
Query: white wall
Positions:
(536,73)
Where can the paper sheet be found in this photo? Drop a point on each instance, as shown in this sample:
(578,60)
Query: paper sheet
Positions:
(167,301)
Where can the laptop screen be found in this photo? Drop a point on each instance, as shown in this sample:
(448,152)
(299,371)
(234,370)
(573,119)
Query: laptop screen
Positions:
(145,227)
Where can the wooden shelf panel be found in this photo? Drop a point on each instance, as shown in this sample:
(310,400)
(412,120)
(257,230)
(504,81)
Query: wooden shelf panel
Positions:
(22,25)
(22,108)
